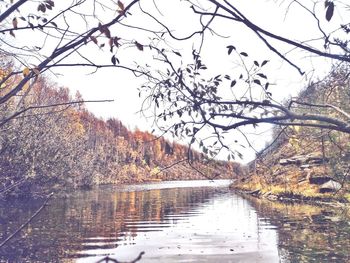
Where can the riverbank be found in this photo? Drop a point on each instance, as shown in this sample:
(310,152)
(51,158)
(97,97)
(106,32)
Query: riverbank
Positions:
(29,189)
(305,193)
(293,171)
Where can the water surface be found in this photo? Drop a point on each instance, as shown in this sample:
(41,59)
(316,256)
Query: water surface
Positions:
(192,221)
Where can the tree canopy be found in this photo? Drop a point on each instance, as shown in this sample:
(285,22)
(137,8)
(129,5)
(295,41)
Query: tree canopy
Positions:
(180,91)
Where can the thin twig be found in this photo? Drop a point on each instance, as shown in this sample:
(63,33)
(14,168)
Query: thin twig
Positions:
(3,122)
(8,188)
(27,222)
(109,259)
(171,165)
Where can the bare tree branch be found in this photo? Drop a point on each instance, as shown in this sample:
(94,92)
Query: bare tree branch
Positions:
(3,122)
(4,242)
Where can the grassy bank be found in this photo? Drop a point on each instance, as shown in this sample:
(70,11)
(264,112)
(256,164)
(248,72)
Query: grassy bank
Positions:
(298,192)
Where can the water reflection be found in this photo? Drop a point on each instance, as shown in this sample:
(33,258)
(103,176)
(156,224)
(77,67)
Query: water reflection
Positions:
(186,224)
(308,233)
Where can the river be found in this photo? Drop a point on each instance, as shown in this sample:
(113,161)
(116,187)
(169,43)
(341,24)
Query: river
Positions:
(183,221)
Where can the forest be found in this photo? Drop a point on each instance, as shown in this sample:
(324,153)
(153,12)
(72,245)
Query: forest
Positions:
(50,138)
(303,162)
(217,79)
(56,143)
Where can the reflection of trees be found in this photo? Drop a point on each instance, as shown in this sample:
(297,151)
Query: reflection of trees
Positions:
(308,233)
(94,220)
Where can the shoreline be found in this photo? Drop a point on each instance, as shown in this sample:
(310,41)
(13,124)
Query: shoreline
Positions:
(290,197)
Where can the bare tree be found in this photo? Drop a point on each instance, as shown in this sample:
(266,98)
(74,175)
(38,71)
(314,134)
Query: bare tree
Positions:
(64,33)
(188,100)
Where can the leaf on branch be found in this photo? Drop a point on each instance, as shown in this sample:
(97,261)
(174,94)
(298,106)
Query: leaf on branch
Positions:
(264,63)
(42,8)
(230,49)
(256,63)
(121,6)
(107,32)
(262,75)
(256,81)
(110,42)
(330,10)
(12,34)
(244,54)
(54,24)
(100,27)
(26,71)
(104,29)
(116,41)
(139,46)
(177,53)
(50,3)
(233,82)
(114,60)
(36,71)
(15,23)
(94,39)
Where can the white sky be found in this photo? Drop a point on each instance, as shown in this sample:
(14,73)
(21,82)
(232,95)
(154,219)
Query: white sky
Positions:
(121,85)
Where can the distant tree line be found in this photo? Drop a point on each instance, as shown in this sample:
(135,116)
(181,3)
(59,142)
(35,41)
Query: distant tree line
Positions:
(57,142)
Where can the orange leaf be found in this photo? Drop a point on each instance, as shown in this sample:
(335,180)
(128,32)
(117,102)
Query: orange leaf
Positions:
(26,71)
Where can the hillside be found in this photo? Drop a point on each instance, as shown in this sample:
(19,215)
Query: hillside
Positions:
(305,162)
(64,146)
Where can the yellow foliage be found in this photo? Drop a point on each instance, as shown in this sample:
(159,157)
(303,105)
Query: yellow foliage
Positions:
(26,87)
(347,197)
(26,71)
(3,74)
(296,129)
(155,171)
(294,141)
(79,128)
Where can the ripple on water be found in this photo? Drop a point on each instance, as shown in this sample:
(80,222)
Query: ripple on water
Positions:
(172,223)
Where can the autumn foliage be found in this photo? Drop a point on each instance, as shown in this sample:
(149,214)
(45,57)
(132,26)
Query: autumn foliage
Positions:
(67,146)
(300,159)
